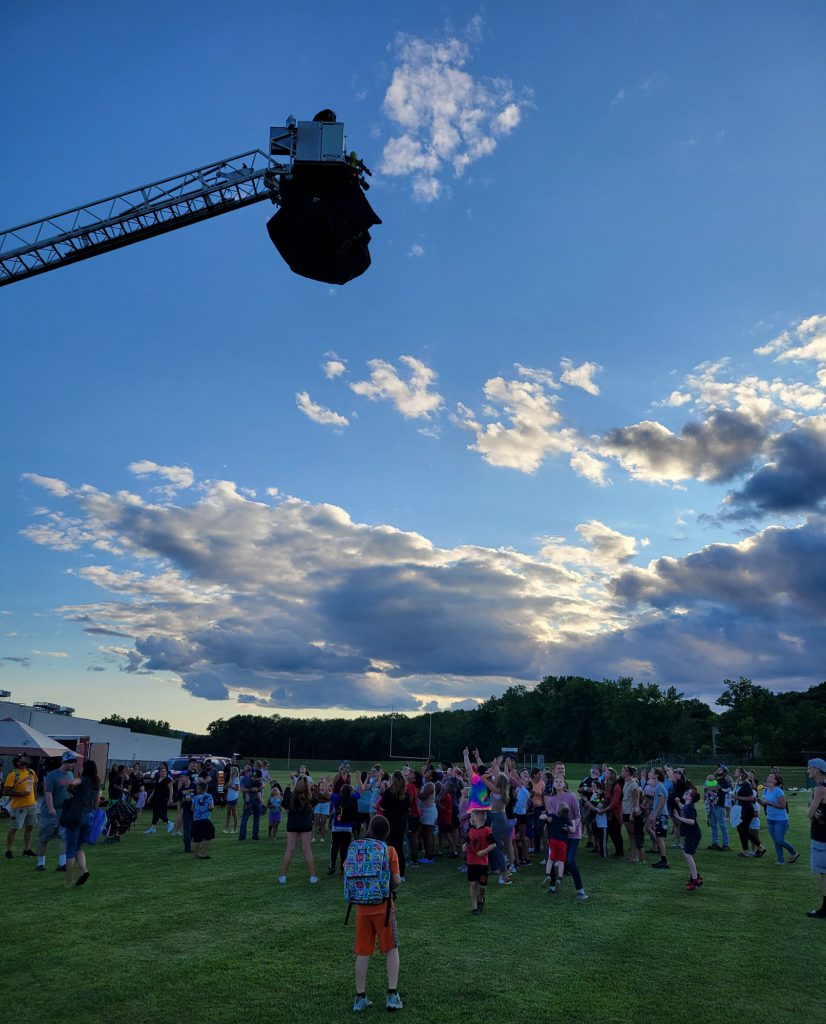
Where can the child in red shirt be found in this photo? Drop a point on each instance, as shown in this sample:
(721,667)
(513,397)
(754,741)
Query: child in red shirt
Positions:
(480,843)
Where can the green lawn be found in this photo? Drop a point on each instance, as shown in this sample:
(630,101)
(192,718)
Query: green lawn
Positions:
(156,935)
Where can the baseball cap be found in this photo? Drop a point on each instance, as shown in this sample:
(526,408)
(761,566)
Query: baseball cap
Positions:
(819,763)
(68,755)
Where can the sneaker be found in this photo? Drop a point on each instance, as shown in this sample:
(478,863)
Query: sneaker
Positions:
(331,871)
(312,842)
(226,831)
(552,888)
(393,1001)
(150,831)
(402,878)
(282,879)
(413,864)
(745,853)
(761,852)
(546,880)
(582,895)
(9,855)
(794,857)
(170,828)
(362,1003)
(504,881)
(816,913)
(676,846)
(313,879)
(476,911)
(692,885)
(699,881)
(425,860)
(512,868)
(661,864)
(40,867)
(714,846)
(481,906)
(462,869)
(61,867)
(29,853)
(724,849)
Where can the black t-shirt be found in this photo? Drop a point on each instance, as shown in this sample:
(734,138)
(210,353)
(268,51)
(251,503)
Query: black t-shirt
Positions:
(160,794)
(677,793)
(746,793)
(395,810)
(818,827)
(115,785)
(186,790)
(723,788)
(689,811)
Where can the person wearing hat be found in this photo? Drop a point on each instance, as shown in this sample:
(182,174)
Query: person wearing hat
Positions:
(55,790)
(20,786)
(817,817)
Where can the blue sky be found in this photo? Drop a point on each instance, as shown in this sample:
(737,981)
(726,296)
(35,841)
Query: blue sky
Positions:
(571,419)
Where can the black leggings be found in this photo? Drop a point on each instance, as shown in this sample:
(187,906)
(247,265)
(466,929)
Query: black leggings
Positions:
(339,845)
(159,814)
(743,832)
(396,840)
(615,834)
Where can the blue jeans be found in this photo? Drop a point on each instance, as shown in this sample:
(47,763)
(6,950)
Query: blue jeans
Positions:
(777,830)
(571,865)
(717,820)
(252,808)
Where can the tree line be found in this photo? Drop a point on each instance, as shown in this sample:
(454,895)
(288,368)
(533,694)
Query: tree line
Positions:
(570,717)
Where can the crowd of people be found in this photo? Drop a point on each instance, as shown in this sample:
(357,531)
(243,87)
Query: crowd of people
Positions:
(492,818)
(535,815)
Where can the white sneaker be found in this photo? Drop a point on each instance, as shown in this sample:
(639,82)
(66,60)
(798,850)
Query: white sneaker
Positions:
(582,895)
(170,827)
(504,881)
(313,879)
(282,879)
(150,831)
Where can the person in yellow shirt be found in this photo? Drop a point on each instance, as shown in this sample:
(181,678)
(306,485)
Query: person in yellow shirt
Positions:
(21,785)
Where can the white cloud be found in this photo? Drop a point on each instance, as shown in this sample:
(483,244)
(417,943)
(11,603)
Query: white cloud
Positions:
(586,465)
(179,477)
(675,400)
(51,654)
(532,430)
(581,376)
(58,488)
(416,250)
(334,367)
(413,398)
(319,413)
(618,98)
(445,118)
(811,334)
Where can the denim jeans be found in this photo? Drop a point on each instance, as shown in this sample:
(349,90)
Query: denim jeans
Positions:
(499,825)
(252,808)
(717,820)
(777,830)
(571,865)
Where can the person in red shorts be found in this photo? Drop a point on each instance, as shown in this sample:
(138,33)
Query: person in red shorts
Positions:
(372,923)
(558,829)
(476,849)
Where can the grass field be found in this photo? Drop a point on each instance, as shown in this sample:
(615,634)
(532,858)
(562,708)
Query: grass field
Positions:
(156,935)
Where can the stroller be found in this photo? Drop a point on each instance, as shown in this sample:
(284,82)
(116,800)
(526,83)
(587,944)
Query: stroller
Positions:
(120,817)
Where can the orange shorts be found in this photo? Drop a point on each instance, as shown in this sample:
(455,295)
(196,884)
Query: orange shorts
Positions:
(370,925)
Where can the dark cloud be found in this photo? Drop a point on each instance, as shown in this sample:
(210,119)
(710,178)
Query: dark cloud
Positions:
(95,668)
(205,684)
(22,662)
(463,619)
(793,479)
(106,631)
(718,448)
(776,574)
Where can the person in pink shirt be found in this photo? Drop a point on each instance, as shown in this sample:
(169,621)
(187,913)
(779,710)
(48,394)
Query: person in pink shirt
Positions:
(558,797)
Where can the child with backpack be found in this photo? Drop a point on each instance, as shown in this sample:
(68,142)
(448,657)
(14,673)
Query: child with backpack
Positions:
(479,845)
(371,876)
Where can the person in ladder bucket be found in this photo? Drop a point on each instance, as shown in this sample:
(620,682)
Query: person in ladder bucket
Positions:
(371,876)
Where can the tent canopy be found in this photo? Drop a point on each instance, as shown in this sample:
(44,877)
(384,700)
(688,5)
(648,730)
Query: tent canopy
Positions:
(17,738)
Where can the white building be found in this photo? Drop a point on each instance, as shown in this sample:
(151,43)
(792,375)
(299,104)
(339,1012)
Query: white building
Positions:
(125,746)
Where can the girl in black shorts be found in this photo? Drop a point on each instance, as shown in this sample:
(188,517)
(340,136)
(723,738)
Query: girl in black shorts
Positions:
(686,814)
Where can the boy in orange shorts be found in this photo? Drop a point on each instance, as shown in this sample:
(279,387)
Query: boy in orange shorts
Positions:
(372,923)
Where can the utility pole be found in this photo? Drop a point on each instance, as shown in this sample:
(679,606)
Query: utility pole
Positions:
(430,736)
(289,748)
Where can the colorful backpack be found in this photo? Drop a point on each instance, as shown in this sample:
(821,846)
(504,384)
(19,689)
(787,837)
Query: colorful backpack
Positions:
(367,874)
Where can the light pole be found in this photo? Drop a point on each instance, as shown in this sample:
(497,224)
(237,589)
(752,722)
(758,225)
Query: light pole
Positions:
(430,735)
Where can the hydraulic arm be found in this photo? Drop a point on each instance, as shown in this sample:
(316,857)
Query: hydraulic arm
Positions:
(323,235)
